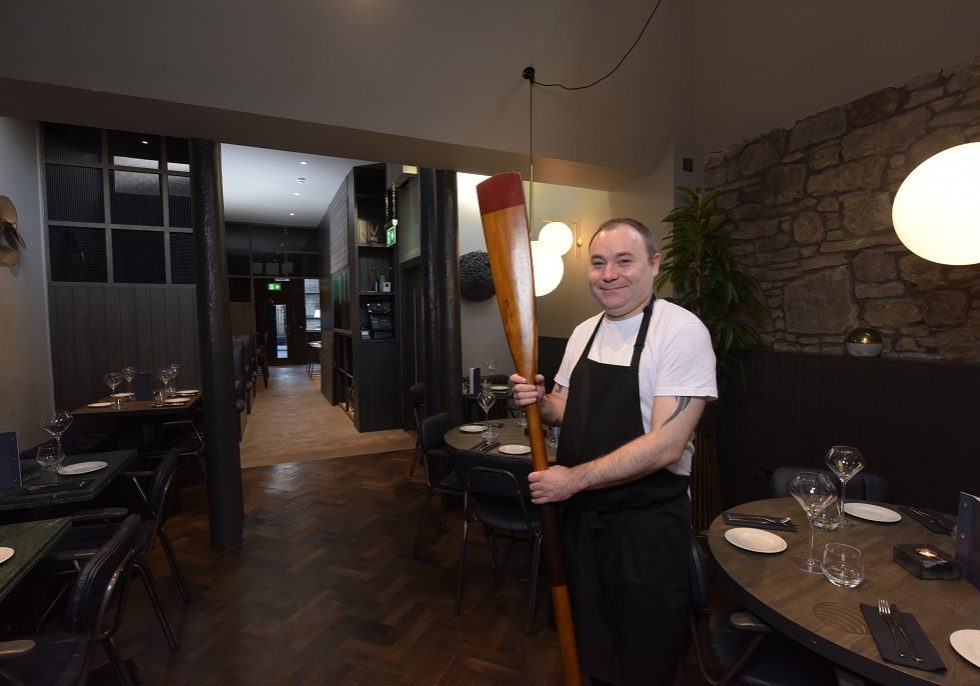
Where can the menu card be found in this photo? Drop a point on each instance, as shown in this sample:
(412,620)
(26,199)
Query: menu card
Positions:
(968,538)
(9,461)
(143,386)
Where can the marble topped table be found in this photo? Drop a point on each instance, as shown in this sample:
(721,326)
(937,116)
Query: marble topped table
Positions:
(30,542)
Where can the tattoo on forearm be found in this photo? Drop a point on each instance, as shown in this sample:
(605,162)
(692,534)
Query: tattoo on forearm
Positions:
(558,388)
(682,403)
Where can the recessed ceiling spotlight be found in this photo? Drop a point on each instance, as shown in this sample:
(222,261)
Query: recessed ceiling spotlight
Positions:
(303,162)
(292,214)
(145,142)
(301,179)
(296,193)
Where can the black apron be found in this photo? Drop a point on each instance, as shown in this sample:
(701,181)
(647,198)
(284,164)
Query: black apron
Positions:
(626,547)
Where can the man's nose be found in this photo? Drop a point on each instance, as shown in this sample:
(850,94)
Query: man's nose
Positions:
(610,273)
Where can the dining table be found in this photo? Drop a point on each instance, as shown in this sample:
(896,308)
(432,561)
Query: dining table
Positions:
(81,478)
(511,441)
(502,394)
(23,545)
(140,418)
(828,619)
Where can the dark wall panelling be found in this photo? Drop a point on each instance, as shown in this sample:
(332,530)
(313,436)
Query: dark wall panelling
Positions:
(914,422)
(95,329)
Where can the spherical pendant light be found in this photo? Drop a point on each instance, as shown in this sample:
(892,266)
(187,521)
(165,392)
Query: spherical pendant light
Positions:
(548,267)
(558,234)
(936,213)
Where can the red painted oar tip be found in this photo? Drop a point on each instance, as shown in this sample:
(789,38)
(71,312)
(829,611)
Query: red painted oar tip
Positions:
(500,192)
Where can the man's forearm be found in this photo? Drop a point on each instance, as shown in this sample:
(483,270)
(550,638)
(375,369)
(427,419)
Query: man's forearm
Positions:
(553,407)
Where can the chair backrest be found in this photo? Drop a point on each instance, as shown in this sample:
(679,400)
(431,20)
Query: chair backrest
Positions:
(700,576)
(416,396)
(863,486)
(494,475)
(432,429)
(101,579)
(163,479)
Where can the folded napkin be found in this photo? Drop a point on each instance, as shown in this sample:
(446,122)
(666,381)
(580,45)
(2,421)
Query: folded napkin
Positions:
(936,523)
(886,642)
(755,522)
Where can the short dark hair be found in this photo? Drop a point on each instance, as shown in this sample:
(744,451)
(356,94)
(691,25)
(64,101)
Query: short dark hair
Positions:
(645,233)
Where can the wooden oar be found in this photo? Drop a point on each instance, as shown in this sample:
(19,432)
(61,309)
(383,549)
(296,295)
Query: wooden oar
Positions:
(504,217)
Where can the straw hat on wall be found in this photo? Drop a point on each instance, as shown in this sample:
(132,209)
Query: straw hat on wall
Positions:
(11,242)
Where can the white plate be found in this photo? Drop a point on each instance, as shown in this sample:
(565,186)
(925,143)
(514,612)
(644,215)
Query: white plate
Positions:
(82,468)
(966,642)
(514,449)
(175,401)
(472,428)
(871,512)
(123,395)
(190,392)
(99,404)
(756,540)
(6,554)
(500,388)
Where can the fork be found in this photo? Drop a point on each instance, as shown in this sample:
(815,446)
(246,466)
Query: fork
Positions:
(764,518)
(895,624)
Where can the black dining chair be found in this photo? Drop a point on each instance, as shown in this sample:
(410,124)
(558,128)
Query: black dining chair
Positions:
(744,649)
(437,463)
(64,657)
(496,493)
(862,486)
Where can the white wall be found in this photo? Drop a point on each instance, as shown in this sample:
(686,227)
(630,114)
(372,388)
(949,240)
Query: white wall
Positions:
(26,386)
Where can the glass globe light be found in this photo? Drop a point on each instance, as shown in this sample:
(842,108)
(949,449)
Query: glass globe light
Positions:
(548,267)
(558,234)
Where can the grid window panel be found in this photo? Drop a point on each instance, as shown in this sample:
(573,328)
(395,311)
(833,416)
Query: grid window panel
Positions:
(134,150)
(74,194)
(72,143)
(137,257)
(135,198)
(179,199)
(178,155)
(77,254)
(181,258)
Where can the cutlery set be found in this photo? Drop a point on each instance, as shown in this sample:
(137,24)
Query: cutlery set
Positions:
(737,518)
(894,622)
(485,446)
(932,519)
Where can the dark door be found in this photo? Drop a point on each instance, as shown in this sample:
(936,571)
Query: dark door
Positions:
(280,314)
(410,307)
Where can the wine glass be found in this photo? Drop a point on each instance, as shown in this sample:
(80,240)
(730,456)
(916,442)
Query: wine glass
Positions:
(112,380)
(56,423)
(174,371)
(844,461)
(49,457)
(814,492)
(486,399)
(165,374)
(129,373)
(491,367)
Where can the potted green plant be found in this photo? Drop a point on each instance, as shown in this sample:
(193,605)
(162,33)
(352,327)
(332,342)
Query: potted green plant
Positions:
(699,263)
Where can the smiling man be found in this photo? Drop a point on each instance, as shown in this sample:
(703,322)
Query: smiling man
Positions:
(630,390)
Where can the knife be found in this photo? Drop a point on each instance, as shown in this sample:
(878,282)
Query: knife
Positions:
(489,446)
(932,519)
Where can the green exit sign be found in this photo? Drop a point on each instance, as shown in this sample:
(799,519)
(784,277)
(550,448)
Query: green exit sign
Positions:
(390,236)
(274,286)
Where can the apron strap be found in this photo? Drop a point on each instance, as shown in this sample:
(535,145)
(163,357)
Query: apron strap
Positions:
(641,335)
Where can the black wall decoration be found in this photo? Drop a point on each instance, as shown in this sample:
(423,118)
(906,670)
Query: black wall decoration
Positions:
(475,279)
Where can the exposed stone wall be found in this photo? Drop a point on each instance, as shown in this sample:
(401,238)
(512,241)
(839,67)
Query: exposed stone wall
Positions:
(812,210)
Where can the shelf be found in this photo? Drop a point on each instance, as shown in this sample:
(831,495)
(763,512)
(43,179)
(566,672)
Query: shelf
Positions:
(373,293)
(375,245)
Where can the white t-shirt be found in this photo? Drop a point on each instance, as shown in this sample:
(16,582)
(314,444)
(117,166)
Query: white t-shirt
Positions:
(677,360)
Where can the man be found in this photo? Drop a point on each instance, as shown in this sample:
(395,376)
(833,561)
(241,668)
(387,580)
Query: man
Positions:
(630,390)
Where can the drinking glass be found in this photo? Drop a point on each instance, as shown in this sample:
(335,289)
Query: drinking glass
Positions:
(49,457)
(814,492)
(490,369)
(486,399)
(844,461)
(554,433)
(174,373)
(129,373)
(165,376)
(56,423)
(112,380)
(842,564)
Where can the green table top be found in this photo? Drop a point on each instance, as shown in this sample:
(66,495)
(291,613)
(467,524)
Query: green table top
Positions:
(77,489)
(30,541)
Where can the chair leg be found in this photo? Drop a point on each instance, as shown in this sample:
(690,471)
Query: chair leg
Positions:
(118,664)
(532,595)
(151,590)
(418,534)
(416,457)
(168,550)
(462,564)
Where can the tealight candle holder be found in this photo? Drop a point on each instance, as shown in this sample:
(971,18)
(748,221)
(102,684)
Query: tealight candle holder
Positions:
(925,561)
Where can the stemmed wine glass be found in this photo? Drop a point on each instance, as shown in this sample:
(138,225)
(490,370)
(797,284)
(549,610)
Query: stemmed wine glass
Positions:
(174,372)
(491,367)
(56,423)
(129,373)
(165,375)
(112,380)
(844,461)
(486,399)
(814,492)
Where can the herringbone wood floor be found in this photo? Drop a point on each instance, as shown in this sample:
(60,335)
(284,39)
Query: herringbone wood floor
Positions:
(325,589)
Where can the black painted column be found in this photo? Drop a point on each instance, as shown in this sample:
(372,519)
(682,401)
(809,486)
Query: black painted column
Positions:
(225,505)
(440,292)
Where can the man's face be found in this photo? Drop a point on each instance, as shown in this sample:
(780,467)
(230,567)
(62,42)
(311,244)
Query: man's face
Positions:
(621,273)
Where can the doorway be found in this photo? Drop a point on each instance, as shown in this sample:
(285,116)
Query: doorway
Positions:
(281,316)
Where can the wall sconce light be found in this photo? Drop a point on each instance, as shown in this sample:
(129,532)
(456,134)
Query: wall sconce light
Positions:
(936,212)
(561,234)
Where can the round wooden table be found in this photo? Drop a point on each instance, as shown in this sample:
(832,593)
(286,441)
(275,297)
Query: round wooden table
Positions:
(510,434)
(828,619)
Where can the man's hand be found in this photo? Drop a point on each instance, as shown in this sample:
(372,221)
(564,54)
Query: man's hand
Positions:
(554,484)
(524,393)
